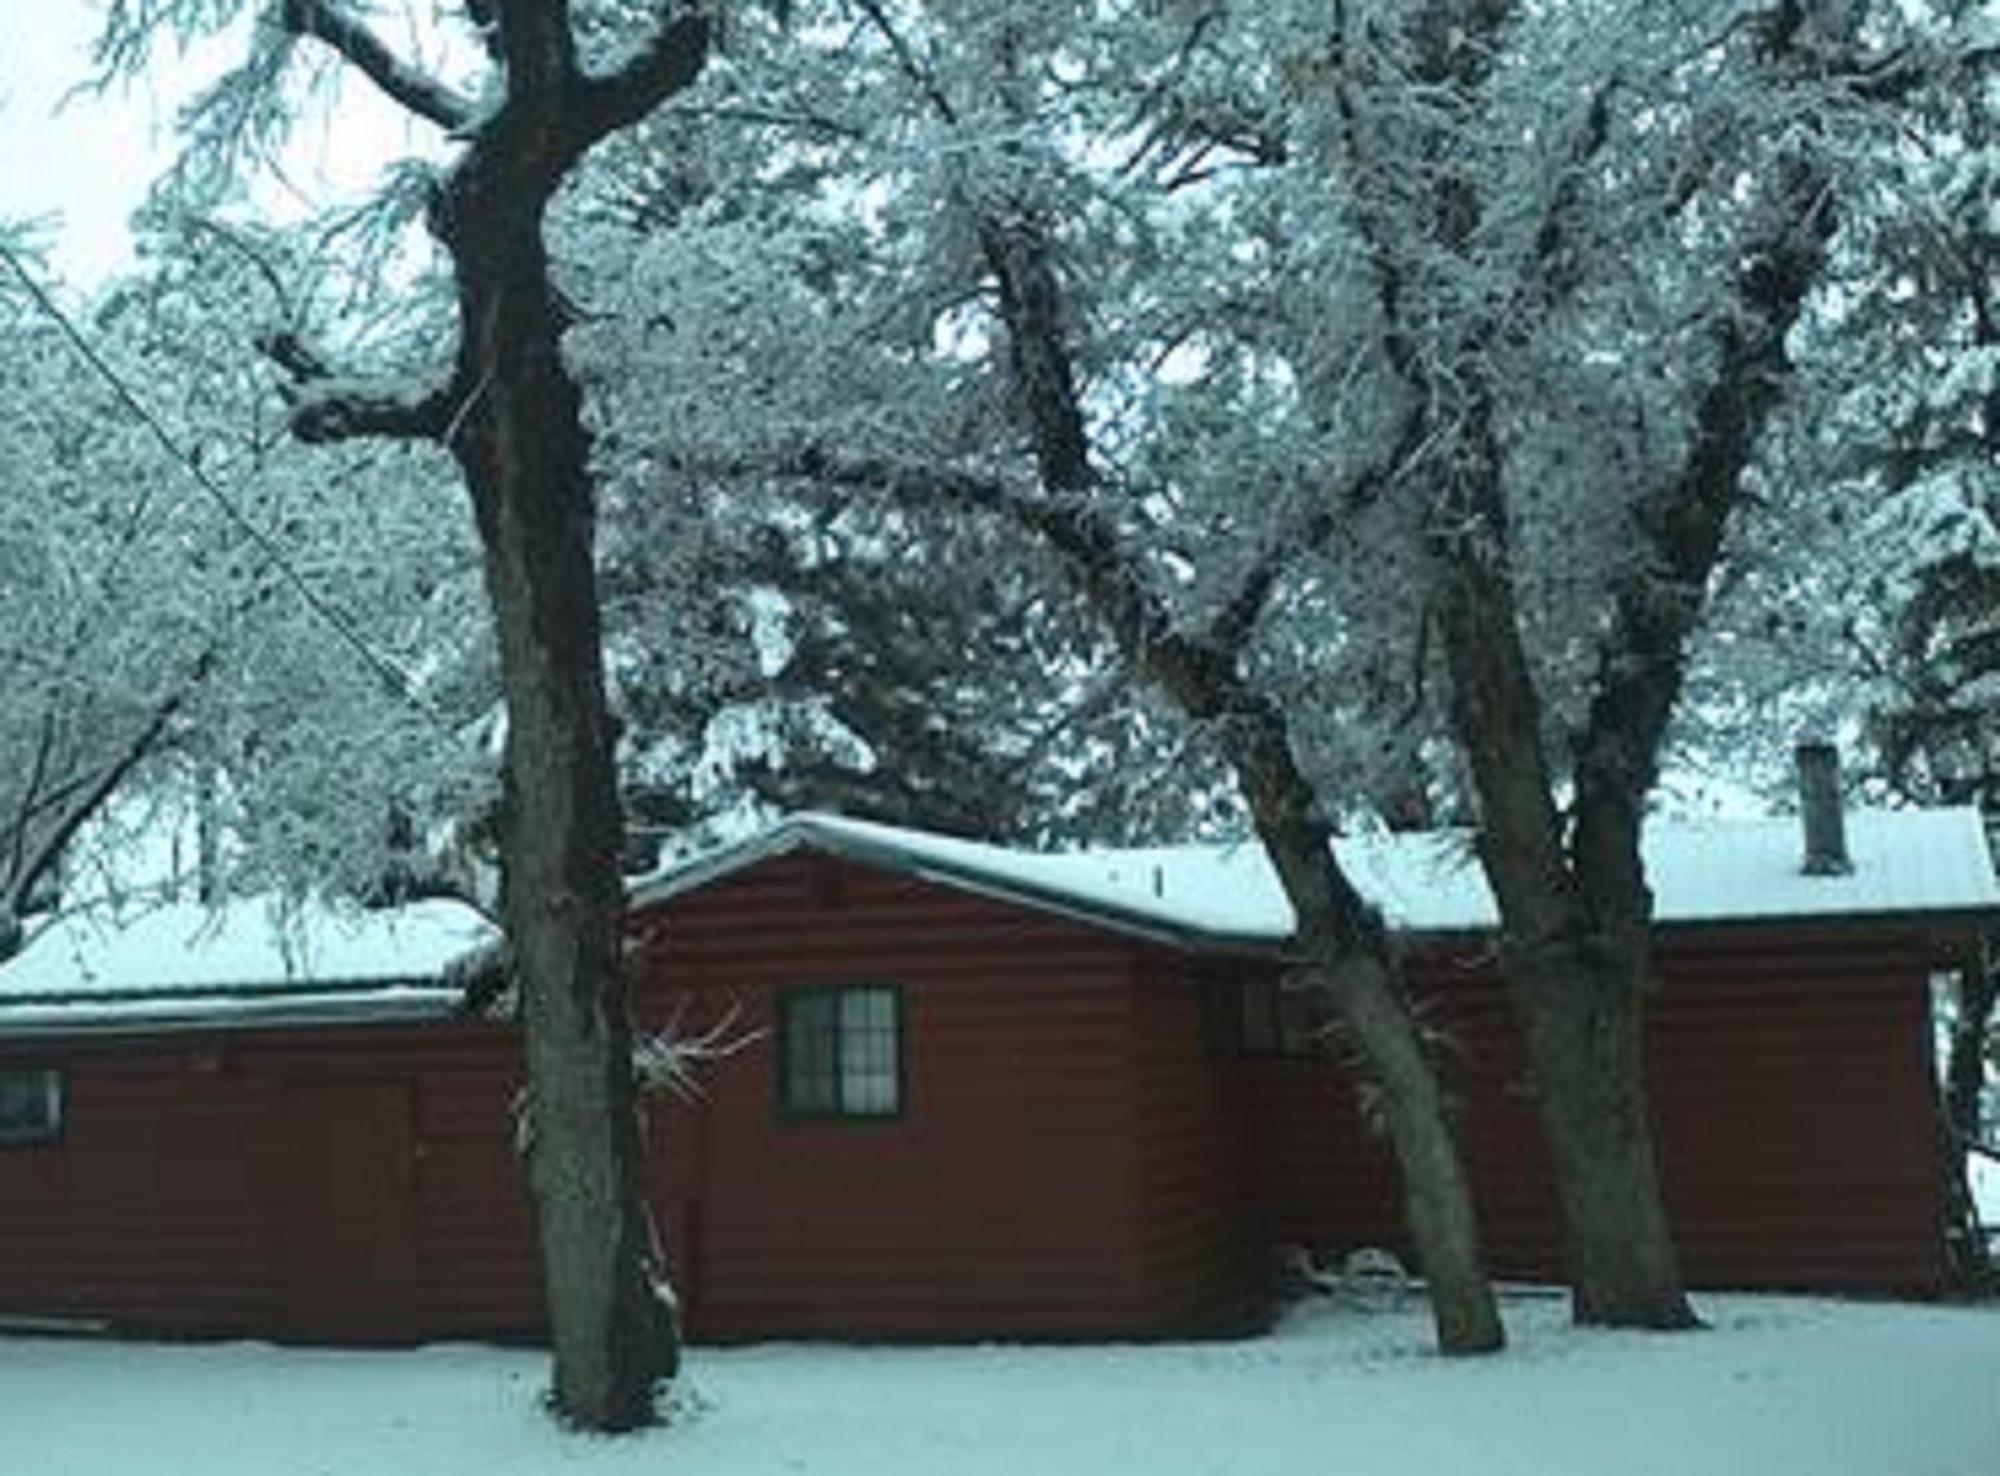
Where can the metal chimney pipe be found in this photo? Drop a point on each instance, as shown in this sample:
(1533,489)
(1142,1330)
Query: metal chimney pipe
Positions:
(1820,810)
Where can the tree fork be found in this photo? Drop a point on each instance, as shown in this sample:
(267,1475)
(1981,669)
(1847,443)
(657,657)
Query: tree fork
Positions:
(515,427)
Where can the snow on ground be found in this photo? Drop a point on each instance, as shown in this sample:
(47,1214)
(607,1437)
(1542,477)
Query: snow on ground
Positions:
(1780,1385)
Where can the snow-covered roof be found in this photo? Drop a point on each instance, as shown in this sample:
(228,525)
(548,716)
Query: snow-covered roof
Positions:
(1906,862)
(248,959)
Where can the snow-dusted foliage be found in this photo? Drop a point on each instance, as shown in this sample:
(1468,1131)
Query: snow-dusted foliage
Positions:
(266,646)
(1281,349)
(1861,593)
(1277,339)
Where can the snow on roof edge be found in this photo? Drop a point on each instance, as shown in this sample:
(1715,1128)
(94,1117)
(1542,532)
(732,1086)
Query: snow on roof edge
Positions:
(1908,863)
(851,839)
(395,1003)
(249,957)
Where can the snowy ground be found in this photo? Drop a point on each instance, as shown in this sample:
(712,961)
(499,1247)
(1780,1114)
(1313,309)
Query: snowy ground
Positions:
(1793,1386)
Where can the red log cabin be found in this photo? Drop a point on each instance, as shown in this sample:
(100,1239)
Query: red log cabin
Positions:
(975,1093)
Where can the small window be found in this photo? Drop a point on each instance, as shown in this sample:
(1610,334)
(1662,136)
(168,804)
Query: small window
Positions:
(31,1104)
(840,1051)
(1260,1017)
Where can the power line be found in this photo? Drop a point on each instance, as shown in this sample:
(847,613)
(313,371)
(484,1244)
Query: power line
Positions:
(273,551)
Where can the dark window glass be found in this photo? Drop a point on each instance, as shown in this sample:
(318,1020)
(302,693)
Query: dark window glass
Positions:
(1261,1029)
(840,1052)
(30,1104)
(1260,1017)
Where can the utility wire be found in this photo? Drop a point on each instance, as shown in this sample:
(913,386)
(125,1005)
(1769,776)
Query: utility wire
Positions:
(398,680)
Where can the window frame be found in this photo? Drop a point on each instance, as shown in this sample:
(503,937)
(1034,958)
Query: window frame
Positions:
(1254,1017)
(789,1001)
(55,1108)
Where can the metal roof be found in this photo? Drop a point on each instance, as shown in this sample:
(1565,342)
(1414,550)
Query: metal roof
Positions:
(1907,863)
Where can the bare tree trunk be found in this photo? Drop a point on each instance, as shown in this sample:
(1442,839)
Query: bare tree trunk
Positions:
(1437,1197)
(1339,937)
(1574,938)
(1967,1263)
(512,417)
(1583,1026)
(524,454)
(561,837)
(1343,942)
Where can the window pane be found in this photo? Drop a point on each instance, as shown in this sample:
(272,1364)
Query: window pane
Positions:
(840,1052)
(1260,1016)
(869,1095)
(811,1053)
(30,1105)
(868,1051)
(868,1009)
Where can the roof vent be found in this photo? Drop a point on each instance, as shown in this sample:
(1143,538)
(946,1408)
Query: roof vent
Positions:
(1819,810)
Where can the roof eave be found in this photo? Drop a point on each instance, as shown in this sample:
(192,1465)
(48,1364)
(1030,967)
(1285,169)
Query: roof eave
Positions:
(805,833)
(179,1017)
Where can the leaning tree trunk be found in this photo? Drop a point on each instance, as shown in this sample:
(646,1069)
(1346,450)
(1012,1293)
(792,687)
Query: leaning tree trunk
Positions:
(1342,941)
(1339,939)
(1437,1197)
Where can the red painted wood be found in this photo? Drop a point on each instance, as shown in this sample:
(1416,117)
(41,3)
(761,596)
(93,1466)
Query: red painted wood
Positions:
(242,1183)
(1791,1088)
(349,1252)
(1006,1199)
(1072,1160)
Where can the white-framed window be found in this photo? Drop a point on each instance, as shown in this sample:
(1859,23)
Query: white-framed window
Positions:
(31,1104)
(840,1051)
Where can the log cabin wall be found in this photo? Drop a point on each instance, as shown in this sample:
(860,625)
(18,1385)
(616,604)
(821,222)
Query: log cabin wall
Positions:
(322,1184)
(1032,1181)
(1792,1087)
(1075,1149)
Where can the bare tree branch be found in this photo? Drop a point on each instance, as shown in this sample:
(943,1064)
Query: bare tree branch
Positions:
(332,22)
(31,794)
(1238,617)
(667,66)
(93,797)
(906,58)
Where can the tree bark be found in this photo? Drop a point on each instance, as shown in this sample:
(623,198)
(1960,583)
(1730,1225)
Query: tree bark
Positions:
(1967,1263)
(524,454)
(1339,937)
(1575,945)
(1344,944)
(511,416)
(1582,1020)
(1576,913)
(1437,1196)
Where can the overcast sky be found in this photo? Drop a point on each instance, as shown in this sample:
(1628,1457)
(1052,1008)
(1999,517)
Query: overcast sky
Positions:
(89,159)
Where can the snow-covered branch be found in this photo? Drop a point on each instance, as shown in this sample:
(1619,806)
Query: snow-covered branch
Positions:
(332,22)
(667,65)
(342,409)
